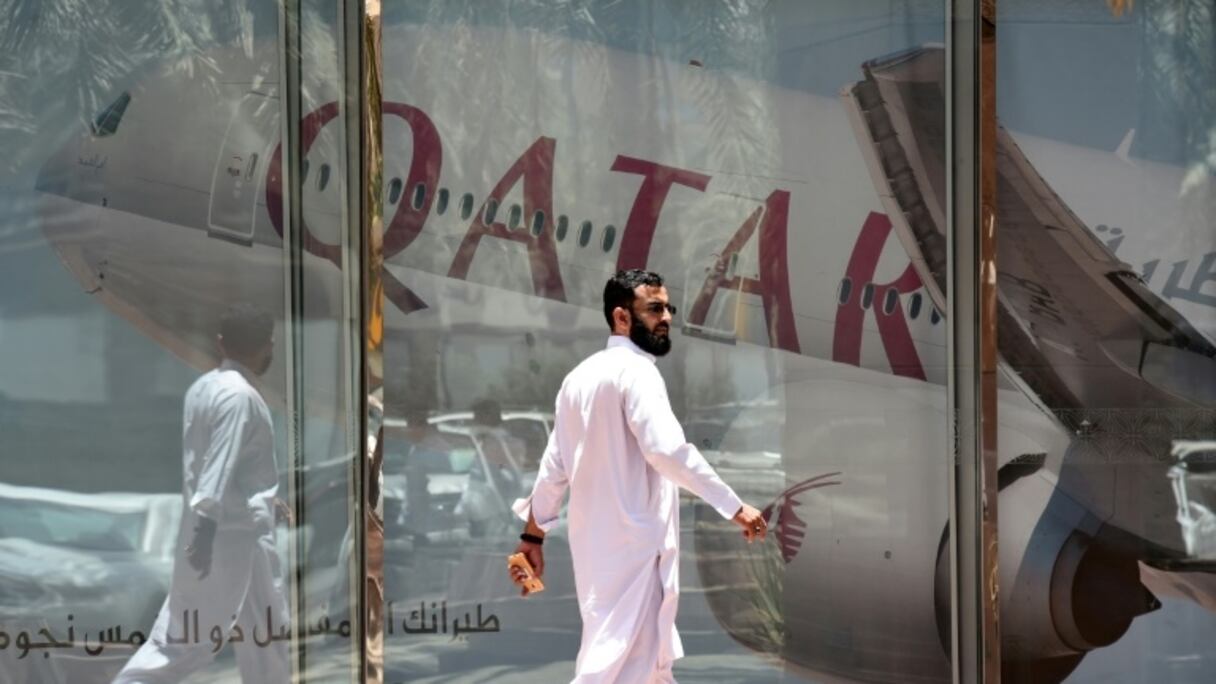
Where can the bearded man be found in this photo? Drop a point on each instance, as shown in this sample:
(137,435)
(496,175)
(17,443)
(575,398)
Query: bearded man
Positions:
(618,448)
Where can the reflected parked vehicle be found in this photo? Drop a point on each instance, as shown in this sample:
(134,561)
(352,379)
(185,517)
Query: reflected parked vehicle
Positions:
(86,563)
(530,427)
(472,474)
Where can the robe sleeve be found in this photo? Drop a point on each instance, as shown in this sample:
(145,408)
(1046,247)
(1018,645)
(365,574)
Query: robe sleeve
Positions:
(545,502)
(234,417)
(662,442)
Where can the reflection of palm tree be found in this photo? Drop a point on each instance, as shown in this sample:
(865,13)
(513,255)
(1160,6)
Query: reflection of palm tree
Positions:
(82,51)
(789,527)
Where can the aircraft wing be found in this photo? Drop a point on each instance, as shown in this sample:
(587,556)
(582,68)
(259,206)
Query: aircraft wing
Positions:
(1116,365)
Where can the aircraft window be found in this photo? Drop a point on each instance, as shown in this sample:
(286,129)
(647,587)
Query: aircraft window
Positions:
(106,122)
(843,292)
(252,166)
(394,190)
(609,237)
(734,265)
(515,216)
(323,177)
(303,171)
(538,223)
(563,224)
(935,317)
(441,201)
(889,300)
(914,306)
(491,211)
(867,296)
(584,234)
(466,205)
(419,196)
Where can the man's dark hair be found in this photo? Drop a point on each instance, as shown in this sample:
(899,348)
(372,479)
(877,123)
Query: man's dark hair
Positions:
(487,412)
(245,329)
(618,291)
(416,414)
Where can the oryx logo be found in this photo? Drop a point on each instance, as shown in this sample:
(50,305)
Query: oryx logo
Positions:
(790,529)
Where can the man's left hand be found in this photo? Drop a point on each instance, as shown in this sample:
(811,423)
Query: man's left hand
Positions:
(536,557)
(198,552)
(752,522)
(283,514)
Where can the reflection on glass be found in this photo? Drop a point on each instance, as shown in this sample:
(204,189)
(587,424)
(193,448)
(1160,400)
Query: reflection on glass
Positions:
(1105,243)
(226,567)
(141,197)
(708,142)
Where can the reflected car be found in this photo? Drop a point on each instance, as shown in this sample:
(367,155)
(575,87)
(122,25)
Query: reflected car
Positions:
(530,427)
(89,562)
(472,475)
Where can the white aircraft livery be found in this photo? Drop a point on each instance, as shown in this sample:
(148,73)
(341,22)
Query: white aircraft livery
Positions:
(803,240)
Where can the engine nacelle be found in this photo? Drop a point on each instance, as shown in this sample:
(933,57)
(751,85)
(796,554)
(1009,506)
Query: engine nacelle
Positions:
(1064,590)
(856,585)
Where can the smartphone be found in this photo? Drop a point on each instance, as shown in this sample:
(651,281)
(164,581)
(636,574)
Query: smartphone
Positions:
(531,582)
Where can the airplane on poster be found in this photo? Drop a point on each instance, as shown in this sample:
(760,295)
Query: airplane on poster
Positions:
(802,238)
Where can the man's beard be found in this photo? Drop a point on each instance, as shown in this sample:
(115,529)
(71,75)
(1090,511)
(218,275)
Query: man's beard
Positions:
(263,364)
(647,341)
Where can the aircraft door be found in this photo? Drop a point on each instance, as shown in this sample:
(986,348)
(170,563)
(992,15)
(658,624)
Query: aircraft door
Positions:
(240,166)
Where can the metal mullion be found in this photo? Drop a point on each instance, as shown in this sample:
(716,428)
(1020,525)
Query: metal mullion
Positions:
(362,80)
(971,326)
(293,249)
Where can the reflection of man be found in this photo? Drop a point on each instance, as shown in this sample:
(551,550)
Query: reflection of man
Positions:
(427,453)
(620,450)
(225,586)
(499,481)
(501,448)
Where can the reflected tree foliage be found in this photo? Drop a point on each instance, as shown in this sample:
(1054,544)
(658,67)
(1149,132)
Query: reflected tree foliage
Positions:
(62,61)
(1178,86)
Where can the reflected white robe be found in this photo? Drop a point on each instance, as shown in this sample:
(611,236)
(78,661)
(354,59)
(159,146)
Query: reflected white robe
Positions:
(229,476)
(621,452)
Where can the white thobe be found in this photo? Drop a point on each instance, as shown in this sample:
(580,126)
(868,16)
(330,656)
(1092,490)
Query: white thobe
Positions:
(229,476)
(621,452)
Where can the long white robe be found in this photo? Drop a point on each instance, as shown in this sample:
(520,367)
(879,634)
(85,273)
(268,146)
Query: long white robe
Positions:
(229,476)
(621,452)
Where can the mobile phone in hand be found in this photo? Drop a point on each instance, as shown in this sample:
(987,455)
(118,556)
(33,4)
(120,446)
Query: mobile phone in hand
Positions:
(531,582)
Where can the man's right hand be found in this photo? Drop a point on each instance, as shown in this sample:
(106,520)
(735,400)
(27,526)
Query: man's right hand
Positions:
(536,557)
(198,553)
(752,522)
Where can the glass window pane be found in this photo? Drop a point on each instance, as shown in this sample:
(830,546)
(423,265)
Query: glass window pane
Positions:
(1106,115)
(174,413)
(673,136)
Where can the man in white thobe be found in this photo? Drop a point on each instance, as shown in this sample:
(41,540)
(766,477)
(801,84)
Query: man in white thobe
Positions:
(226,586)
(618,448)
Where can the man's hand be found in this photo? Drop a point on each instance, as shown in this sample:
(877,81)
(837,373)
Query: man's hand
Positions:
(536,557)
(283,515)
(752,523)
(198,552)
